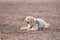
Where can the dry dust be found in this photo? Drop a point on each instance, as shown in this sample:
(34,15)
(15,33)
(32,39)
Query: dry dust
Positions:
(12,15)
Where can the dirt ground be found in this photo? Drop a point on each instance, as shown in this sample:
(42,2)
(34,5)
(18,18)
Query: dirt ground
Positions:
(12,15)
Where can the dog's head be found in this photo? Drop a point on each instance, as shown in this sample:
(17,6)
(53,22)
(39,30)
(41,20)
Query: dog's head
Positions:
(29,19)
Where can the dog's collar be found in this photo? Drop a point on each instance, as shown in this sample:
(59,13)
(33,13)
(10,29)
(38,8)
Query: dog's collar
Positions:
(37,22)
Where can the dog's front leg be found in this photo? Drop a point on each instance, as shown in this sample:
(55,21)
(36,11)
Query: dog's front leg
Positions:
(24,28)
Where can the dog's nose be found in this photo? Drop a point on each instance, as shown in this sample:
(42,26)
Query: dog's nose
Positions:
(27,22)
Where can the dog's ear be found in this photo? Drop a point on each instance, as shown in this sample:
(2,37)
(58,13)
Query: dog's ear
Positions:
(33,20)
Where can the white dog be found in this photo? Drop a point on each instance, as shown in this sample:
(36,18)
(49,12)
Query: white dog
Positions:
(35,23)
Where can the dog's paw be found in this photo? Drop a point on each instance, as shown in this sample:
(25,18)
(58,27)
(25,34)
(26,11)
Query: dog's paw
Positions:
(22,28)
(47,25)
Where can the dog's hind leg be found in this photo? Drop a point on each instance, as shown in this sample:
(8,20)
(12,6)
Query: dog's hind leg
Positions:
(47,25)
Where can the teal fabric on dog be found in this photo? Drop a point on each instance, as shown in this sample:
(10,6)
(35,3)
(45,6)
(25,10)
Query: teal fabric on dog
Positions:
(37,23)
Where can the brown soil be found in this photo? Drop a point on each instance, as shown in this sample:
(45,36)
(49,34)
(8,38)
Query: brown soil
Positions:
(12,15)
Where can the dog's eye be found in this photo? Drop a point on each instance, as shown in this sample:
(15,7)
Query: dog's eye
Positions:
(28,18)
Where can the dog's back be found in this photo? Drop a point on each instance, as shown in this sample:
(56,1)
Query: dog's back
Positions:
(43,23)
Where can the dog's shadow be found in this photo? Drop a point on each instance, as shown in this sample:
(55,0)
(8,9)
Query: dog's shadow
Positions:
(42,29)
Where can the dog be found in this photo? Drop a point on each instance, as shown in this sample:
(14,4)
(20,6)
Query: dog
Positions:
(35,23)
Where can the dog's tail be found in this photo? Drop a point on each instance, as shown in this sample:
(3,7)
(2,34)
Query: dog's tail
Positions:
(47,25)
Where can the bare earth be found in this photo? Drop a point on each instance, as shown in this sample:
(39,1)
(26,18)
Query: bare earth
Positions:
(12,15)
